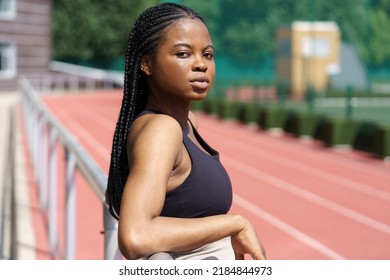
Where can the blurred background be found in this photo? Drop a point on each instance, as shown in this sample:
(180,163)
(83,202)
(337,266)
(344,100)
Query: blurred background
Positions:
(245,35)
(316,69)
(296,49)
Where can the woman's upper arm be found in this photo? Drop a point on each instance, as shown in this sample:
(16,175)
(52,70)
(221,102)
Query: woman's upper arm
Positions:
(153,147)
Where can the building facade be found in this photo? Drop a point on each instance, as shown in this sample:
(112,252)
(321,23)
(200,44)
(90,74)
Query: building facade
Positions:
(308,54)
(25,40)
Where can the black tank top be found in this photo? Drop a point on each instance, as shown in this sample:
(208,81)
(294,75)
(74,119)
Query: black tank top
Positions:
(206,191)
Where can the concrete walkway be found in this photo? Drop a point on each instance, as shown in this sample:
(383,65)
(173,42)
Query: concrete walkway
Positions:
(18,239)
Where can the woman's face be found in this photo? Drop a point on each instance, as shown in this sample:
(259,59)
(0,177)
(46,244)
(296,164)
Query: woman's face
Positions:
(183,65)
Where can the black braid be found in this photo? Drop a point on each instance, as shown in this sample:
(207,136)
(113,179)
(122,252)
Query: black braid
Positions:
(147,32)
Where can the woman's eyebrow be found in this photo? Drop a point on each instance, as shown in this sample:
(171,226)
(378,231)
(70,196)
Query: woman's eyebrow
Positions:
(189,46)
(182,45)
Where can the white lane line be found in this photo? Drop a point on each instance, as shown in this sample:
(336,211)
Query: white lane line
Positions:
(289,230)
(294,164)
(281,184)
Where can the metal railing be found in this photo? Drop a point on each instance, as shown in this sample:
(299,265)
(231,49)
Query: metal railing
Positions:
(72,78)
(7,193)
(44,132)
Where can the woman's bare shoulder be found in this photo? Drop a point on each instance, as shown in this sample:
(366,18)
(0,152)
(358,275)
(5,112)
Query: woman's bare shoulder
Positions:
(155,129)
(154,121)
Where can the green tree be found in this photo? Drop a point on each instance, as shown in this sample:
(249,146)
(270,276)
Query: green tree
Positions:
(242,30)
(380,40)
(86,29)
(210,12)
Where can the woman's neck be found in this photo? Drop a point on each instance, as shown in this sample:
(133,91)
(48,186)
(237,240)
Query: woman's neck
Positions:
(180,113)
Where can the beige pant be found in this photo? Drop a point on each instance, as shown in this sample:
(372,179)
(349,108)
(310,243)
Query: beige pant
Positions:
(218,250)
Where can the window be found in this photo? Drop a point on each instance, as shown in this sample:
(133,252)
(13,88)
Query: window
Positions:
(7,9)
(7,61)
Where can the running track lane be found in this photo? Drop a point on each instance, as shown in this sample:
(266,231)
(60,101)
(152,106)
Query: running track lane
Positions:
(306,201)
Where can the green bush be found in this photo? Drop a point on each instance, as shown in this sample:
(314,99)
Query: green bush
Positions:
(365,139)
(382,141)
(366,136)
(301,123)
(198,105)
(228,109)
(272,117)
(211,105)
(249,112)
(339,131)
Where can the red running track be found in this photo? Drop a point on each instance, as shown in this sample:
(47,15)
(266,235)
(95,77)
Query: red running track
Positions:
(306,201)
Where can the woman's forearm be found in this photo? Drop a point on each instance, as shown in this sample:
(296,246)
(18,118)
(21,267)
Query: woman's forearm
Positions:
(176,234)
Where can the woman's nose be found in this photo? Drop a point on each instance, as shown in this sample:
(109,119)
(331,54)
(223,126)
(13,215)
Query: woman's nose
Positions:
(199,65)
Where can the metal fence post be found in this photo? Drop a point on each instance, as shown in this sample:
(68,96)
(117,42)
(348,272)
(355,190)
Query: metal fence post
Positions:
(53,240)
(34,124)
(111,251)
(38,159)
(70,219)
(44,154)
(7,222)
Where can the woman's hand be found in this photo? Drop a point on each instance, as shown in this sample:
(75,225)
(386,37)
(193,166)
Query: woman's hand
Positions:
(247,242)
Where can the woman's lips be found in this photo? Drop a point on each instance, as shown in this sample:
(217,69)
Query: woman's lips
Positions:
(200,83)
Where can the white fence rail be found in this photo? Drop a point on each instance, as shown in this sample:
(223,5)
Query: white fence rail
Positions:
(44,132)
(7,190)
(72,78)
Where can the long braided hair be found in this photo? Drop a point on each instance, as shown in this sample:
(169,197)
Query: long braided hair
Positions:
(146,34)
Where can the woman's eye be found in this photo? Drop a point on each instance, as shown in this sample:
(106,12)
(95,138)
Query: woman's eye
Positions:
(182,54)
(209,55)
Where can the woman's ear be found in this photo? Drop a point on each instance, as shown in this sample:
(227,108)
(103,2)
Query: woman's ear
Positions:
(146,65)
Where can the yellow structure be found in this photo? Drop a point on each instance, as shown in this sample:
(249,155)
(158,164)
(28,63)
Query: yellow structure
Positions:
(307,53)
